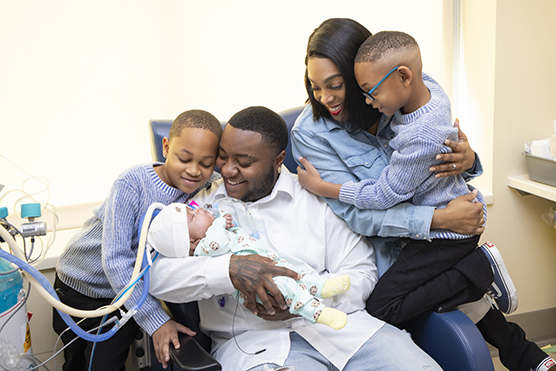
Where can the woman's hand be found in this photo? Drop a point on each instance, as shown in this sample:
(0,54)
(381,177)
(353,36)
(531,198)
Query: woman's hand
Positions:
(461,159)
(165,334)
(309,176)
(462,215)
(310,179)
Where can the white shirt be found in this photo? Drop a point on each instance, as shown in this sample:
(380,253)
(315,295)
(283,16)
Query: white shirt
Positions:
(303,230)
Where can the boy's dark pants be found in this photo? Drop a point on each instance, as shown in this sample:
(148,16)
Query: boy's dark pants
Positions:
(429,275)
(444,274)
(515,351)
(110,354)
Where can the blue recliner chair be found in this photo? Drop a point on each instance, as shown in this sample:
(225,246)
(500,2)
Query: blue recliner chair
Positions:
(452,339)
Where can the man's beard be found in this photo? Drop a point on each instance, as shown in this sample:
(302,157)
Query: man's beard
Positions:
(263,189)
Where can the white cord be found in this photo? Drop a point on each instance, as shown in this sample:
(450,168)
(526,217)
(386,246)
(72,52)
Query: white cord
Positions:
(111,320)
(46,206)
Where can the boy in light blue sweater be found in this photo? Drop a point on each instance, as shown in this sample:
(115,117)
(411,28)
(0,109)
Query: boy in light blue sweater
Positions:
(388,68)
(98,262)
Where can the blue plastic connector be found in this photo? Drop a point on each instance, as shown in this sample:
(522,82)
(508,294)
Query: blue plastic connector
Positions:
(31,210)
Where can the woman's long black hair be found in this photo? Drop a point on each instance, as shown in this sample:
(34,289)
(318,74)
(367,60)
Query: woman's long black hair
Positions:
(338,39)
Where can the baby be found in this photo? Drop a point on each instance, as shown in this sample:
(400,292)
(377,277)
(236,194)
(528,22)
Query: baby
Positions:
(180,230)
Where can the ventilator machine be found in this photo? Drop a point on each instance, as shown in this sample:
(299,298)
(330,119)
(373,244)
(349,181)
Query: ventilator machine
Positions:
(17,266)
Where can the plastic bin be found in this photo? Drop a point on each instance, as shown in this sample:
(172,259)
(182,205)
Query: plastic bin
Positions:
(541,169)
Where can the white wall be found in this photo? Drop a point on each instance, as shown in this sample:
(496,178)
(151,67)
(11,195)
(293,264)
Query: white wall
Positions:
(475,87)
(81,79)
(508,97)
(524,107)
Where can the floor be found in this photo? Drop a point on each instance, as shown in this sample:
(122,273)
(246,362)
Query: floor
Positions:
(497,365)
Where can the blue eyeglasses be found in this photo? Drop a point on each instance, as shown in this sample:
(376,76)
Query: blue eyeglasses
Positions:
(369,94)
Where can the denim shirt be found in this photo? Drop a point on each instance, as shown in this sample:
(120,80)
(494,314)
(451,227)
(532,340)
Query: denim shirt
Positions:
(341,156)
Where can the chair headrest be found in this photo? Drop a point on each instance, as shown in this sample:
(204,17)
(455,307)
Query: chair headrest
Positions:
(158,129)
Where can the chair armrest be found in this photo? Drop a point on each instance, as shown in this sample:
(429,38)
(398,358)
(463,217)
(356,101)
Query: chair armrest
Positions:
(452,339)
(192,357)
(188,315)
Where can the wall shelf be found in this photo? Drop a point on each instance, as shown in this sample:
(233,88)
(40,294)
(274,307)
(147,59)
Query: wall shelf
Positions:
(525,186)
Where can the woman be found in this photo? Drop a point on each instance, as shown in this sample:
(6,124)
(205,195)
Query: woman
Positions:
(344,139)
(339,135)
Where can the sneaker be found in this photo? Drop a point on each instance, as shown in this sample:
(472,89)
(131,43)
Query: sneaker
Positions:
(502,289)
(547,364)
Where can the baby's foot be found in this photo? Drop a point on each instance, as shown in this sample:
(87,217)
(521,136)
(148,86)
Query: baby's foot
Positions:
(335,285)
(331,317)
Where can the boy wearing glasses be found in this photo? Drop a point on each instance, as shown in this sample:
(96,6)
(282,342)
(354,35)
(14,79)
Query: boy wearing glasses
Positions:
(388,69)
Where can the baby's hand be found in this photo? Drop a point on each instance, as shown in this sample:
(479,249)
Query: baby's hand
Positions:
(229,221)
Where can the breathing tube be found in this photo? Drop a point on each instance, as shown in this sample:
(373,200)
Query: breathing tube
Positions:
(67,319)
(49,294)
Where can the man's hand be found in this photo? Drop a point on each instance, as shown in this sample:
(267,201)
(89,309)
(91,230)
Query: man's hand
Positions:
(279,315)
(462,215)
(462,157)
(165,334)
(253,276)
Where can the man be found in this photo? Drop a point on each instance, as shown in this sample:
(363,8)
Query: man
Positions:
(266,199)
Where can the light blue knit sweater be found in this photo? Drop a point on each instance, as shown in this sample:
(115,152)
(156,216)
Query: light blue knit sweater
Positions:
(420,135)
(98,261)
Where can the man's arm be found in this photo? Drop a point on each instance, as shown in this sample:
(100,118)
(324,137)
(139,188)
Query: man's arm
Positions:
(346,252)
(253,275)
(182,280)
(349,253)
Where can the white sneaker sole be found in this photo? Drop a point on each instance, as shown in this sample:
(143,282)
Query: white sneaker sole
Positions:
(504,275)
